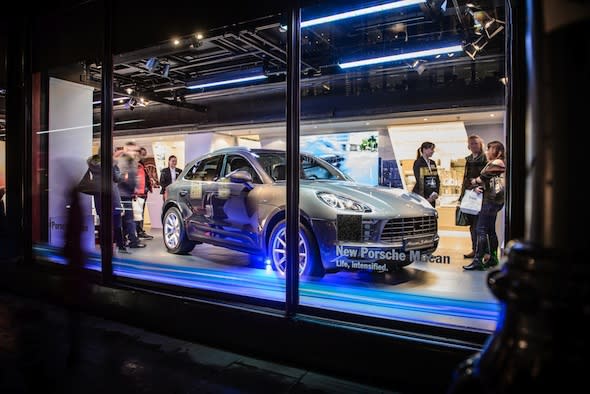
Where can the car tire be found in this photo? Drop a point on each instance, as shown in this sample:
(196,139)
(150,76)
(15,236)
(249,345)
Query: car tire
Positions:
(276,251)
(174,233)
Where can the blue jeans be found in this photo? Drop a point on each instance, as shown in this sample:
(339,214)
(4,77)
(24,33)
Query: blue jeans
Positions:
(129,227)
(487,239)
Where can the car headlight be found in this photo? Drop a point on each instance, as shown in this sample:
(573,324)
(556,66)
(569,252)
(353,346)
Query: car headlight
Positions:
(339,202)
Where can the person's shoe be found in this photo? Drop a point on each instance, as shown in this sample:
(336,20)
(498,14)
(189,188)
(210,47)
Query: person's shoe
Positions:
(137,245)
(123,249)
(491,261)
(469,255)
(476,264)
(145,235)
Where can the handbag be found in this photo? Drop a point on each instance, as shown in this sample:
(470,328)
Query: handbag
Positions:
(471,202)
(496,187)
(461,218)
(88,185)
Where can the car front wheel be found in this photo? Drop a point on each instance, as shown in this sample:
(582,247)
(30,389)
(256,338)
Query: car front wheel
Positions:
(174,233)
(309,261)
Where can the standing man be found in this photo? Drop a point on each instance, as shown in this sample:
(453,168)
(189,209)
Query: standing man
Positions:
(168,175)
(144,186)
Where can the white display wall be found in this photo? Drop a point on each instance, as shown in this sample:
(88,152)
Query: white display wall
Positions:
(70,144)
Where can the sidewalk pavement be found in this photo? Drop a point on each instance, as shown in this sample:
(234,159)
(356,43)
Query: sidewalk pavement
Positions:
(46,348)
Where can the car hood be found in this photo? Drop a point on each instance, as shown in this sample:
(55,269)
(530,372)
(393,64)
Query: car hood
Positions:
(378,198)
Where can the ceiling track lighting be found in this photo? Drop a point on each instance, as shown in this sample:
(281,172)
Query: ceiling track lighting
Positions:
(418,65)
(473,48)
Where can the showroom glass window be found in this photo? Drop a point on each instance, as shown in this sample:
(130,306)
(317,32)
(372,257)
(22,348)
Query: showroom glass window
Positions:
(203,106)
(378,80)
(65,136)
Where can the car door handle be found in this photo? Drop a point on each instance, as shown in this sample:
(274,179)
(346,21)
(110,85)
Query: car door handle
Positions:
(183,193)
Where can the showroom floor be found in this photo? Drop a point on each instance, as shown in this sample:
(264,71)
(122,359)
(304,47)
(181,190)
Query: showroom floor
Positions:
(427,292)
(434,293)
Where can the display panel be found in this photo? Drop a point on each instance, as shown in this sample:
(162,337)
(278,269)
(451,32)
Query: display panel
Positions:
(393,110)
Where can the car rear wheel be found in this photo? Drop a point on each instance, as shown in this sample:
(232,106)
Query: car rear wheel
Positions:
(309,260)
(174,233)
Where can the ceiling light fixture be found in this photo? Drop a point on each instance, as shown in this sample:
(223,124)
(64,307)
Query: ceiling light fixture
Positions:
(402,56)
(227,82)
(152,63)
(166,70)
(493,27)
(418,65)
(229,78)
(360,12)
(472,49)
(114,99)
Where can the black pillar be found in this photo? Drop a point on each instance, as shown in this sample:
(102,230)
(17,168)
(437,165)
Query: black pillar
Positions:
(18,138)
(106,146)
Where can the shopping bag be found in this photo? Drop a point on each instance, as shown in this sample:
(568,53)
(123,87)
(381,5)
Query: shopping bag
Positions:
(471,202)
(137,204)
(461,218)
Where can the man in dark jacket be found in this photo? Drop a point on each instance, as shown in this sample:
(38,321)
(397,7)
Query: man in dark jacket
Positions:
(169,175)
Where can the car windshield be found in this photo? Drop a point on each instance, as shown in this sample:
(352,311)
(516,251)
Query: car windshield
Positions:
(274,164)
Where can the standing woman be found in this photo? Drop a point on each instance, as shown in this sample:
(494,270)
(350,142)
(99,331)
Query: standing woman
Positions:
(474,163)
(490,182)
(427,180)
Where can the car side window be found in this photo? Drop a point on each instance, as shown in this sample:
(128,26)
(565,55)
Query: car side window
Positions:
(236,162)
(314,170)
(205,170)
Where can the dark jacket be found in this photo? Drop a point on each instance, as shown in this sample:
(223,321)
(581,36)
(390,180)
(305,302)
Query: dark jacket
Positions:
(473,167)
(128,167)
(94,167)
(492,180)
(427,180)
(166,178)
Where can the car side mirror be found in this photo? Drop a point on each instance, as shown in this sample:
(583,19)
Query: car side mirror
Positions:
(243,177)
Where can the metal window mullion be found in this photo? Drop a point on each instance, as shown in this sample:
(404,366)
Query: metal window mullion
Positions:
(106,147)
(293,131)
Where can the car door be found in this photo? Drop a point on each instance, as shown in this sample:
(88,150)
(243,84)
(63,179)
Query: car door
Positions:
(233,213)
(201,185)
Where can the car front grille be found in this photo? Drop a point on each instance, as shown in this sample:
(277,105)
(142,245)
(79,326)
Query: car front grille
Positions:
(397,230)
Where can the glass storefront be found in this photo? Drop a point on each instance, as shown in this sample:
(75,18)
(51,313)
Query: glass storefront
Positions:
(199,153)
(378,83)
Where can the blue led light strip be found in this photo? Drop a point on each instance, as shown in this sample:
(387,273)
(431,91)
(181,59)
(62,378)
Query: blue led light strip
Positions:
(362,11)
(227,82)
(402,56)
